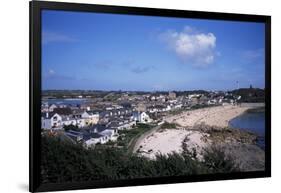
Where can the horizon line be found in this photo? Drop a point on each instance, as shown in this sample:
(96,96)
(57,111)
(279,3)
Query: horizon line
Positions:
(120,90)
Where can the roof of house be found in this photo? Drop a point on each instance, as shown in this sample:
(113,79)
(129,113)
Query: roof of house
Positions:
(68,118)
(115,124)
(47,115)
(74,134)
(63,111)
(81,132)
(78,111)
(96,135)
(106,133)
(87,137)
(92,112)
(97,128)
(84,134)
(71,136)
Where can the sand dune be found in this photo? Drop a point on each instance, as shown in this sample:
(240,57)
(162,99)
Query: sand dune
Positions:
(168,141)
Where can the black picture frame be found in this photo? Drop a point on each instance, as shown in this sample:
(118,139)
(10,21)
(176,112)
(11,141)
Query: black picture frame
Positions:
(35,92)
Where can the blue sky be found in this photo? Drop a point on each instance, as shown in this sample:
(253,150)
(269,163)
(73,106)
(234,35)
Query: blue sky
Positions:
(125,52)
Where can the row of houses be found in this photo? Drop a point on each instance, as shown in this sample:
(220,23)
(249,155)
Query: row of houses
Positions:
(90,136)
(103,133)
(121,118)
(92,129)
(53,120)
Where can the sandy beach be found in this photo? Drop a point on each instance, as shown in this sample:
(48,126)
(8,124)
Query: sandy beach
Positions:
(212,116)
(170,140)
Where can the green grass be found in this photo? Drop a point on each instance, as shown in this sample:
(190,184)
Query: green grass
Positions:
(128,138)
(167,125)
(177,111)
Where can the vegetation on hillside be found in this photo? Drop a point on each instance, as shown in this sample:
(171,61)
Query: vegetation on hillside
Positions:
(128,138)
(251,95)
(167,125)
(66,162)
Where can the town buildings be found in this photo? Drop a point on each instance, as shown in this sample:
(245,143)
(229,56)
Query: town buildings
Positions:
(100,119)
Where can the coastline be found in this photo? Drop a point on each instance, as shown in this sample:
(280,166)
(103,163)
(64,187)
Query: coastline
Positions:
(241,122)
(218,116)
(250,110)
(201,129)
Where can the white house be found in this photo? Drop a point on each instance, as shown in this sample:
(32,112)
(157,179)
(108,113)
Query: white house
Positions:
(89,139)
(121,125)
(109,134)
(94,139)
(81,122)
(141,117)
(90,118)
(212,102)
(68,120)
(177,106)
(51,121)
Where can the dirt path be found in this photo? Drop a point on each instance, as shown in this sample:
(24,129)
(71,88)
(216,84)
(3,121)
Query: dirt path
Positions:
(138,141)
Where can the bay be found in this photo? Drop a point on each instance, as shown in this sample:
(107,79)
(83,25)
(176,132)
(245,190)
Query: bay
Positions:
(253,122)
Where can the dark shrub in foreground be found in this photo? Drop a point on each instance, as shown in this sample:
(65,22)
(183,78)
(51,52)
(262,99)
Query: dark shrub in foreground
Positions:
(217,161)
(66,162)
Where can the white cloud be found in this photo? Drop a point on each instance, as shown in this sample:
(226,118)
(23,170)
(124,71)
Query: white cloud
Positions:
(191,46)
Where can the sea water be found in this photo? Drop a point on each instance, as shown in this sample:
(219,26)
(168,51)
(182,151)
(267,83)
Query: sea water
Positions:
(253,122)
(70,101)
